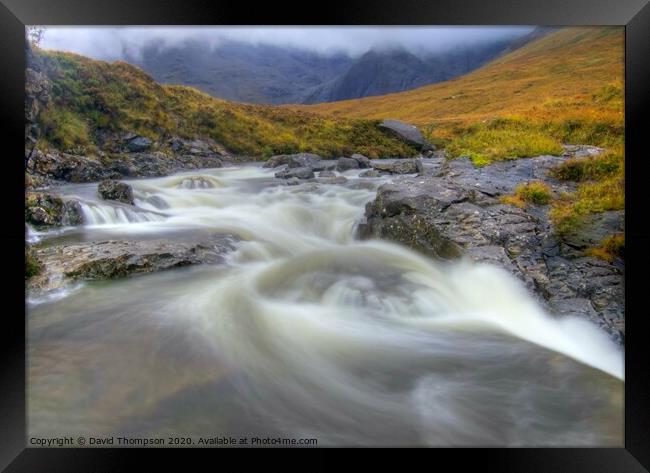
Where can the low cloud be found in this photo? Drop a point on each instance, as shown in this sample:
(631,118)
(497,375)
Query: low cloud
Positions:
(111,43)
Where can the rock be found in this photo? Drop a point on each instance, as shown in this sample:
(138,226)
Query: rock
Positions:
(407,133)
(370,173)
(595,228)
(293,181)
(46,210)
(298,160)
(343,164)
(326,174)
(115,190)
(334,180)
(363,161)
(138,144)
(207,148)
(114,259)
(300,173)
(399,166)
(456,211)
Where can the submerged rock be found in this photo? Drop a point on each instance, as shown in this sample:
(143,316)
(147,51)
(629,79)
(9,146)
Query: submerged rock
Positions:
(370,173)
(455,211)
(115,190)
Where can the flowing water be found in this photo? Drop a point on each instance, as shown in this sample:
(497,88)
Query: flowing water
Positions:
(306,332)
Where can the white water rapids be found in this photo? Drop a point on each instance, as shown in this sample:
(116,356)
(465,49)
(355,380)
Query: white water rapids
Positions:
(306,332)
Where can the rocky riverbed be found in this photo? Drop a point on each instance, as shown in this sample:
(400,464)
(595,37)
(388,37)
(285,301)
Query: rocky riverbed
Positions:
(446,209)
(453,209)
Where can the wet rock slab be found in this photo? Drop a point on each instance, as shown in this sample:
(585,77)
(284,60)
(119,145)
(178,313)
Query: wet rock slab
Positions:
(112,259)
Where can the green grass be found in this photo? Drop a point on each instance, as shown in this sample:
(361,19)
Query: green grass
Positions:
(611,247)
(535,192)
(502,139)
(32,265)
(94,99)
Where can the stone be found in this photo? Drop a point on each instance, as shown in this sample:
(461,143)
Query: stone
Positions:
(115,190)
(297,160)
(344,164)
(410,134)
(370,173)
(363,161)
(138,144)
(119,258)
(48,210)
(300,173)
(398,166)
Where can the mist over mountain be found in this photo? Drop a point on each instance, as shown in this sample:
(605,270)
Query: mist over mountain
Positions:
(269,74)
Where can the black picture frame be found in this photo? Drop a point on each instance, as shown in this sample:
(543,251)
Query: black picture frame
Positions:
(634,14)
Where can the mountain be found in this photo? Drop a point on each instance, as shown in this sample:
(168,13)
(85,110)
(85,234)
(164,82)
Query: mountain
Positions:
(395,70)
(242,72)
(275,75)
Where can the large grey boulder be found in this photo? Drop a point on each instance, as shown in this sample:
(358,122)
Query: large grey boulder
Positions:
(410,134)
(364,162)
(297,160)
(400,166)
(115,190)
(344,164)
(300,173)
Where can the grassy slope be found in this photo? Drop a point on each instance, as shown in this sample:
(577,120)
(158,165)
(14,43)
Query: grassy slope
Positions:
(566,87)
(93,97)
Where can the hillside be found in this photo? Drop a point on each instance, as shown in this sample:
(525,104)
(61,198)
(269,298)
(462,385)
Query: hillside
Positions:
(94,101)
(564,87)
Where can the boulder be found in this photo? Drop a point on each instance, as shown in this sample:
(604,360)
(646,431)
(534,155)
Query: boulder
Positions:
(46,210)
(344,164)
(410,134)
(399,166)
(300,173)
(370,173)
(363,161)
(115,190)
(138,144)
(297,160)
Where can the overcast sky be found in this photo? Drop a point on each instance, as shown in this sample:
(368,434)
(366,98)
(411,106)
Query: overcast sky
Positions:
(112,42)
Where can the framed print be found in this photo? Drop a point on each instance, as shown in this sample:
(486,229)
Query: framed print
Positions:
(415,225)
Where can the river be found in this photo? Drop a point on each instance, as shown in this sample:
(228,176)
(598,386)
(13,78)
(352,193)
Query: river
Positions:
(306,332)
